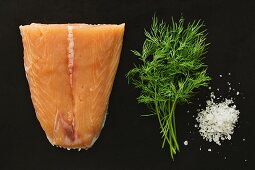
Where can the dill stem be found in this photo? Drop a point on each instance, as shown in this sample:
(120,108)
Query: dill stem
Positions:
(166,127)
(172,124)
(170,145)
(170,128)
(160,123)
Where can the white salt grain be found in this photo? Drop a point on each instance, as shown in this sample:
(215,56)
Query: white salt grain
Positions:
(212,96)
(209,88)
(218,120)
(229,74)
(237,93)
(209,150)
(186,142)
(220,75)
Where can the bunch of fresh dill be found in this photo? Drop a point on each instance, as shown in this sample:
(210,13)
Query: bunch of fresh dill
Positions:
(171,68)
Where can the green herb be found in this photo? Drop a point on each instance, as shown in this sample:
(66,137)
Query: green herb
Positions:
(171,68)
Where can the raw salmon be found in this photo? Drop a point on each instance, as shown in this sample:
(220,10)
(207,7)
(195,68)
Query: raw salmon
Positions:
(70,70)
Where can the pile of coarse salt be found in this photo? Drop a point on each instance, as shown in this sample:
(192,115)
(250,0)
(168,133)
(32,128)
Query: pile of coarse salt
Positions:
(218,120)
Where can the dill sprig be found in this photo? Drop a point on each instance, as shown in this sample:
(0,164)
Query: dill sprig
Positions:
(171,68)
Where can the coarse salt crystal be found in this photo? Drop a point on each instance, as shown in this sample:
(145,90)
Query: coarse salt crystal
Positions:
(220,75)
(186,142)
(218,120)
(209,150)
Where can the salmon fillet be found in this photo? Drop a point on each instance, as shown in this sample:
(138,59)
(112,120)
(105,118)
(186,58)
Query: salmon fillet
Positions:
(70,70)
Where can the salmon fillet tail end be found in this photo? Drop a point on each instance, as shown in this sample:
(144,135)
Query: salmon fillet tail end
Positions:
(70,70)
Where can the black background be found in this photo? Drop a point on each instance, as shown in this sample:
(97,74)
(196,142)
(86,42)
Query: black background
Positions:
(129,141)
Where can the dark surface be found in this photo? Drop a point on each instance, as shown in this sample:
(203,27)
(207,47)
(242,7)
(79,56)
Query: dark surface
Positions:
(129,141)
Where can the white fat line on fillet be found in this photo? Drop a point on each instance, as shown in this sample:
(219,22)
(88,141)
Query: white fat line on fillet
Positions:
(70,51)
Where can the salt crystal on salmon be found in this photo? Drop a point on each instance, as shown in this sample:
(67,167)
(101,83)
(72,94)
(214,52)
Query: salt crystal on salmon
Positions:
(70,70)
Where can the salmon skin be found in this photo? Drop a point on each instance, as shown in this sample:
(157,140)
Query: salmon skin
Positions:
(70,70)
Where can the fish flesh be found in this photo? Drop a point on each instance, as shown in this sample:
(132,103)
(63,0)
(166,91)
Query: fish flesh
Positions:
(70,70)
